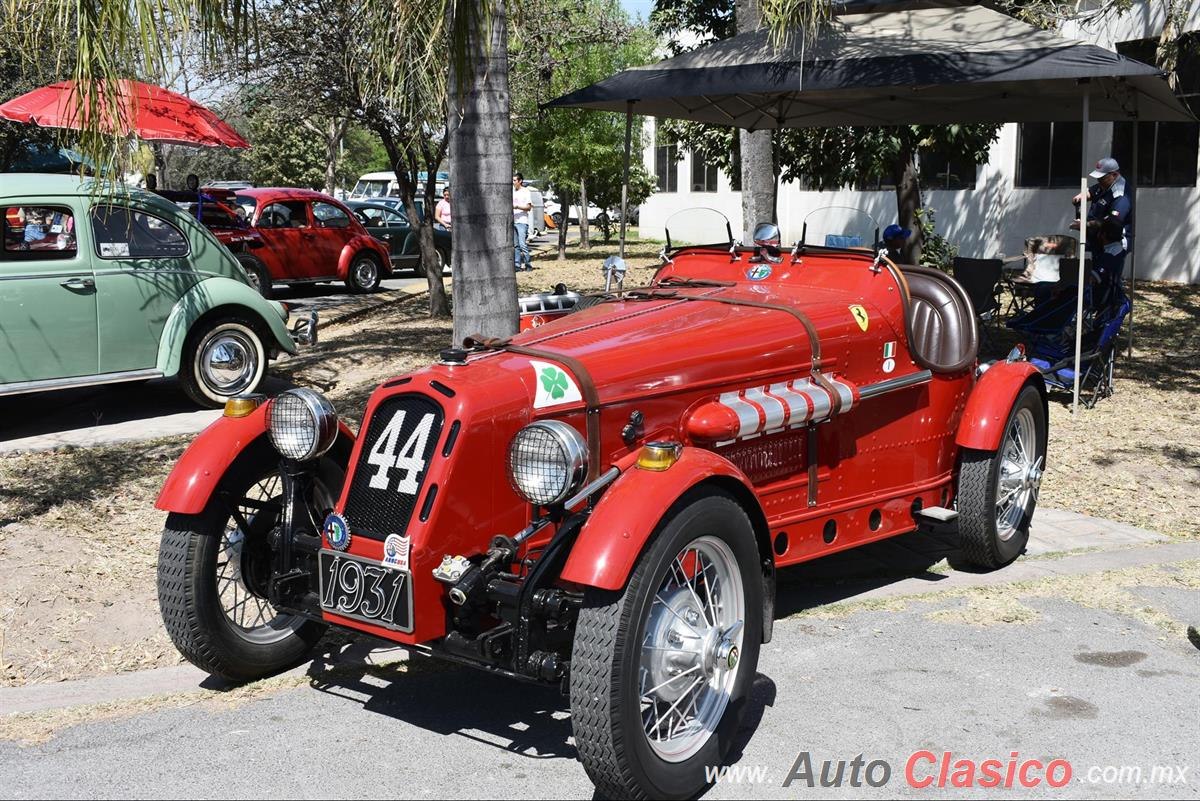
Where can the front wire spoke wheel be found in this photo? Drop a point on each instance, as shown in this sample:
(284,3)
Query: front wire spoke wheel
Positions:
(661,669)
(691,639)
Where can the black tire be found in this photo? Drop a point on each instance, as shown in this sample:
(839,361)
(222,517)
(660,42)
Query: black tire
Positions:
(257,272)
(986,541)
(558,219)
(200,381)
(444,255)
(188,594)
(606,713)
(365,273)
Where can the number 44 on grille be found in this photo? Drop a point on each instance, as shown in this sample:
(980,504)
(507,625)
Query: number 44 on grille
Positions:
(602,502)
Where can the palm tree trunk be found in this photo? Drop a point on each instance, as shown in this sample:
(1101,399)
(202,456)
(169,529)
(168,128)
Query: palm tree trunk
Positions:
(757,149)
(485,286)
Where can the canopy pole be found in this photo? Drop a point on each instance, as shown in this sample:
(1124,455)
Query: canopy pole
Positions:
(625,177)
(1133,232)
(1083,208)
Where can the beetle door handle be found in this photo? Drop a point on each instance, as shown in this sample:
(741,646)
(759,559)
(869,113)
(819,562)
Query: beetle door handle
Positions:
(79,283)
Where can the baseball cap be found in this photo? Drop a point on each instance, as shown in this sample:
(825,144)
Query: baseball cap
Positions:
(1104,167)
(893,231)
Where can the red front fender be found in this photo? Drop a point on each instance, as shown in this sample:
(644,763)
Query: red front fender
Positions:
(628,513)
(202,465)
(991,400)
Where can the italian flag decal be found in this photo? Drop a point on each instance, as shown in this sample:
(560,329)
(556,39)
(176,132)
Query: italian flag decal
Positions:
(889,350)
(555,386)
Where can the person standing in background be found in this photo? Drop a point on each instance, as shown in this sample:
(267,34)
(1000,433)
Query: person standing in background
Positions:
(1109,226)
(522,203)
(441,212)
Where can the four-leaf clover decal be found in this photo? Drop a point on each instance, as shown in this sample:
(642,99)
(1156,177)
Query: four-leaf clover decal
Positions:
(555,382)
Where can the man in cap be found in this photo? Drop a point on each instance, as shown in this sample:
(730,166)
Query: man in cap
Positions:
(894,237)
(1109,222)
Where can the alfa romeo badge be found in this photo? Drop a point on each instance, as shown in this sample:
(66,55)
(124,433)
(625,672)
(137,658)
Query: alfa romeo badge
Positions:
(337,532)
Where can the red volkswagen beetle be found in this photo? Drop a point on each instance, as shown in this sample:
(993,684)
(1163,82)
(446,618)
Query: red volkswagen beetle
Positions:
(310,237)
(602,502)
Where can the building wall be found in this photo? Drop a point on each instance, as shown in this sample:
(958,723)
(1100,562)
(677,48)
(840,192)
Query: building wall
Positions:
(994,218)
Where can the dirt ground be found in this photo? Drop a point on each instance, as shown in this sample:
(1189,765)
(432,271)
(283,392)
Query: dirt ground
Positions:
(79,532)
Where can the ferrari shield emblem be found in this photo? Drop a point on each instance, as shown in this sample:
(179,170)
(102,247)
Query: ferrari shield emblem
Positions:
(860,316)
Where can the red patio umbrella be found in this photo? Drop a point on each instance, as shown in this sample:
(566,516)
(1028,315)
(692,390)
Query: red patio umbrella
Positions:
(148,112)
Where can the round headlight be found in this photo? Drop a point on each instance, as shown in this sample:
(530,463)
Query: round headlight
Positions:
(547,460)
(302,423)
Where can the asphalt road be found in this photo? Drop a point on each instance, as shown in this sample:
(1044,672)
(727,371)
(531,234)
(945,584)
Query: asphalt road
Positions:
(139,411)
(1079,684)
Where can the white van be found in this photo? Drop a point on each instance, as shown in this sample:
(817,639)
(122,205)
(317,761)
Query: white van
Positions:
(383,184)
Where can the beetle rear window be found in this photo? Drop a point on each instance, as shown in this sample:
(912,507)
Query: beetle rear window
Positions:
(39,232)
(123,233)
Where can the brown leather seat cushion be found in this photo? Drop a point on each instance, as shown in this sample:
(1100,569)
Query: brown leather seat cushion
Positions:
(941,321)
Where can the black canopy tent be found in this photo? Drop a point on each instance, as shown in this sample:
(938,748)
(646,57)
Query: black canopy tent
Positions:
(898,63)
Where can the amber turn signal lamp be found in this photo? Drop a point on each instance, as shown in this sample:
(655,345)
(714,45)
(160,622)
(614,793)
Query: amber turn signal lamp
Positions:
(659,456)
(243,405)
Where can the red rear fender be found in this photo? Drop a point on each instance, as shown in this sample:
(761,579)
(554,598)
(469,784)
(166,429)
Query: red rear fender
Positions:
(991,400)
(357,245)
(201,467)
(630,511)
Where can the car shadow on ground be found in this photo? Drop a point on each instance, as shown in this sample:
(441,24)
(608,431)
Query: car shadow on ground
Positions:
(841,576)
(521,718)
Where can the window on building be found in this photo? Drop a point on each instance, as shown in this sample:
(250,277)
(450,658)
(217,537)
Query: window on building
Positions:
(874,183)
(1049,154)
(704,173)
(666,167)
(1167,151)
(947,172)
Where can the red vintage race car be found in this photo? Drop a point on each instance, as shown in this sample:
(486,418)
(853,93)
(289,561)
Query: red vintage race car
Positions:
(602,502)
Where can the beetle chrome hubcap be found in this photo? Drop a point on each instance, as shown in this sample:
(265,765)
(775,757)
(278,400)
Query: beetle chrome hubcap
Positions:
(365,272)
(228,362)
(691,649)
(1020,475)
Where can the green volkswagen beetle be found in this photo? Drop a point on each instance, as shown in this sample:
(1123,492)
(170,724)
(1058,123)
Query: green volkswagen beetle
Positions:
(101,284)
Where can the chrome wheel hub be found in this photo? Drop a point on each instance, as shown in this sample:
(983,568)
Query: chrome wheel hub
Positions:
(691,649)
(1020,478)
(365,272)
(228,362)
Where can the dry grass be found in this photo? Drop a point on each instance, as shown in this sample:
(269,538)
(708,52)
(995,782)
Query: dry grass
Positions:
(82,527)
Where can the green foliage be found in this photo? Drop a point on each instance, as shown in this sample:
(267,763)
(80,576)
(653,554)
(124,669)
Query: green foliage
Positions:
(363,153)
(558,46)
(21,73)
(284,154)
(937,251)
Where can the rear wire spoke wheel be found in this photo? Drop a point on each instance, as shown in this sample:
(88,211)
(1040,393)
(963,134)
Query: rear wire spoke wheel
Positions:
(213,570)
(998,491)
(661,670)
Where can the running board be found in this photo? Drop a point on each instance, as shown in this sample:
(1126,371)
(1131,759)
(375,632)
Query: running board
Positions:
(938,514)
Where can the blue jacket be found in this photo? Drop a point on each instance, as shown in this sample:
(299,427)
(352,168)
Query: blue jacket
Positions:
(1111,204)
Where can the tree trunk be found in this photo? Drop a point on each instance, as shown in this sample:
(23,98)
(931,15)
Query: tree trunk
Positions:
(585,240)
(485,296)
(564,205)
(759,186)
(404,165)
(908,200)
(333,144)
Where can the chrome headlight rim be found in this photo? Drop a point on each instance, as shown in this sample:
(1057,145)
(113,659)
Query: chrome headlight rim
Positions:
(574,460)
(320,422)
